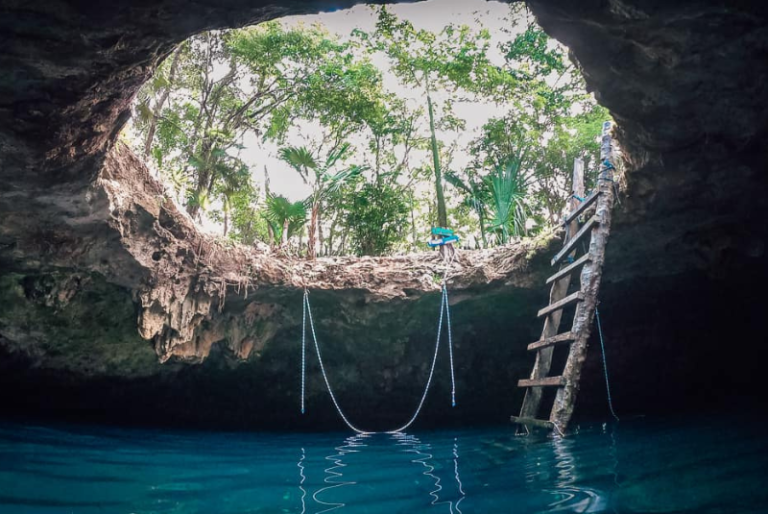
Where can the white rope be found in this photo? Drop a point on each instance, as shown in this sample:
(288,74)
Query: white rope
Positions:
(448,316)
(444,309)
(443,303)
(322,369)
(450,345)
(303,351)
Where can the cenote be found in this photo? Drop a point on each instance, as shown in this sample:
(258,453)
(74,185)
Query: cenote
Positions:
(529,238)
(674,465)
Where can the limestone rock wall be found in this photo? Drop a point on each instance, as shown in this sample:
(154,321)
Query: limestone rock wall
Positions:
(115,306)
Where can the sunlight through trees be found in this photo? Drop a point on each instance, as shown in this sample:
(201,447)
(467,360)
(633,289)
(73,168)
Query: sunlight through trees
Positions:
(371,123)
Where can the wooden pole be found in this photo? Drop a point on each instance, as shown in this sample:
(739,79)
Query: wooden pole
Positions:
(578,182)
(577,191)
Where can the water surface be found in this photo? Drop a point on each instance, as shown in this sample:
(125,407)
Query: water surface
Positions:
(701,466)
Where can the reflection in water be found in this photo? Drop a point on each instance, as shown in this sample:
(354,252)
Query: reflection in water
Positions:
(414,445)
(456,474)
(335,478)
(691,466)
(351,444)
(569,496)
(302,479)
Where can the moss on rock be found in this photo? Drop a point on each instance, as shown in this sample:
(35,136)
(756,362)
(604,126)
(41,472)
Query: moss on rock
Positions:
(75,322)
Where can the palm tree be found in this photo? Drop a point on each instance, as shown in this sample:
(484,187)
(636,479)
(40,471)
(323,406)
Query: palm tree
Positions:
(321,179)
(476,194)
(284,218)
(508,185)
(442,212)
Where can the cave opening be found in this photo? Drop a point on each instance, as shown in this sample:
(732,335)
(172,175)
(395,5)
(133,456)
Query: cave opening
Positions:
(116,307)
(688,237)
(355,131)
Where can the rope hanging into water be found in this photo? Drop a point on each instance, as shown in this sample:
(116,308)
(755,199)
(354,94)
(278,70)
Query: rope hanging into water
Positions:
(605,365)
(444,309)
(450,344)
(322,367)
(303,350)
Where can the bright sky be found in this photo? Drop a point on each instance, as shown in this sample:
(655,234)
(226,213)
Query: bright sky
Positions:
(432,15)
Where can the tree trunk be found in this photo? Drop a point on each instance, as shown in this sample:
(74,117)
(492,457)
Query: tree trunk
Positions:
(193,207)
(226,222)
(343,244)
(284,236)
(482,229)
(413,222)
(192,210)
(311,239)
(270,230)
(332,233)
(319,235)
(206,177)
(160,103)
(442,215)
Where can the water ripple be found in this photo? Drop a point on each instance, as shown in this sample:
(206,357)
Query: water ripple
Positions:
(641,466)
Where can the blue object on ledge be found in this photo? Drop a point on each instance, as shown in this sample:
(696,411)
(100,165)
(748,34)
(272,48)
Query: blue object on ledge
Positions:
(443,241)
(440,231)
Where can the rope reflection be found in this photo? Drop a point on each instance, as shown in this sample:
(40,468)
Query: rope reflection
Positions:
(326,498)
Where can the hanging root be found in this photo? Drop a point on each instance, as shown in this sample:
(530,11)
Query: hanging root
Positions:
(222,295)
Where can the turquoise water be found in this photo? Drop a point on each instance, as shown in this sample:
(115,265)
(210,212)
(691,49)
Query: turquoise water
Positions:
(701,466)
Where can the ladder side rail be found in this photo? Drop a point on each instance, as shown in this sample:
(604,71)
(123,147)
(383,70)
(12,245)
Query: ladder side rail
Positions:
(591,275)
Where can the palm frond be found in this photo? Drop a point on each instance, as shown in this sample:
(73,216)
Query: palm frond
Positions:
(334,182)
(508,185)
(196,162)
(453,179)
(299,158)
(278,209)
(337,154)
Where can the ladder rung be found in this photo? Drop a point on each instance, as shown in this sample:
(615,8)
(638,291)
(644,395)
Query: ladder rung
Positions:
(532,422)
(570,268)
(583,206)
(571,244)
(578,296)
(551,341)
(541,382)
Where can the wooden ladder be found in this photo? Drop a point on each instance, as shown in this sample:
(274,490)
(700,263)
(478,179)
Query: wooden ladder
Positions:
(595,230)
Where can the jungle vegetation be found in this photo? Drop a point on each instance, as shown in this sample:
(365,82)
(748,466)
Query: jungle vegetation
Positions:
(381,166)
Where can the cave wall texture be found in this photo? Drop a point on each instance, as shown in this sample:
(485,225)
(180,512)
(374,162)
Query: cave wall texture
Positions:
(113,307)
